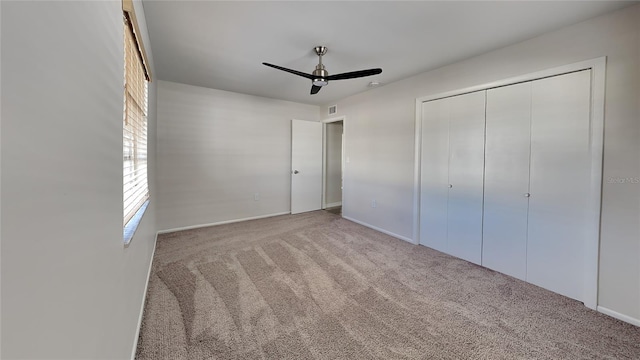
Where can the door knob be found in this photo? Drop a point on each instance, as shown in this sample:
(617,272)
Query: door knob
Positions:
(450,186)
(527,194)
(295,171)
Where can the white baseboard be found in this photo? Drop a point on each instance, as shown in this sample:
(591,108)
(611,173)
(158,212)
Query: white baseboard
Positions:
(144,299)
(617,315)
(221,223)
(334,204)
(381,230)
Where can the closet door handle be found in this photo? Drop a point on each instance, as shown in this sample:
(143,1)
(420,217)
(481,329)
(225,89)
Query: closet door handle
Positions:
(450,186)
(527,194)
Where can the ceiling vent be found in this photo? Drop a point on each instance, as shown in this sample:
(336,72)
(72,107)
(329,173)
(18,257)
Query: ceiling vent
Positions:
(333,109)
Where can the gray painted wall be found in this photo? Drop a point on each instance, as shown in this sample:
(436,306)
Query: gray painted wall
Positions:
(217,149)
(380,138)
(70,289)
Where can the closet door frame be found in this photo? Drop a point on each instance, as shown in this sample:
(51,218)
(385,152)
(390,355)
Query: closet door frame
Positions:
(598,75)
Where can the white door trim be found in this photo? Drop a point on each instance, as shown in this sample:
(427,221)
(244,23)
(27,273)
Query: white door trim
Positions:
(598,76)
(324,156)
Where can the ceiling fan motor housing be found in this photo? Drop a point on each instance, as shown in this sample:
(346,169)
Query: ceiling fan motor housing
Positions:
(320,75)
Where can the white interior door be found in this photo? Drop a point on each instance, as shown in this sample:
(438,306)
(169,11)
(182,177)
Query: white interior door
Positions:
(559,183)
(506,181)
(434,174)
(466,172)
(306,166)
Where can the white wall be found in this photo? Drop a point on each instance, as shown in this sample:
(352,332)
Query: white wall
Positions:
(333,170)
(70,289)
(380,138)
(0,183)
(216,149)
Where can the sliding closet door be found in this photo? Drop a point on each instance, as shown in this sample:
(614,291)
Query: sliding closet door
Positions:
(434,174)
(506,186)
(559,183)
(466,169)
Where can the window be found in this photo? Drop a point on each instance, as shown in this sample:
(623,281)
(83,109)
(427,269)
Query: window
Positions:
(136,77)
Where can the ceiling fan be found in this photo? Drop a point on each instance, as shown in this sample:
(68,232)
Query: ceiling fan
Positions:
(320,77)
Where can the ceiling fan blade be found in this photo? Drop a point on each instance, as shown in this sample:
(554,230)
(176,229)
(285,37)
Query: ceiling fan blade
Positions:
(296,72)
(315,89)
(355,74)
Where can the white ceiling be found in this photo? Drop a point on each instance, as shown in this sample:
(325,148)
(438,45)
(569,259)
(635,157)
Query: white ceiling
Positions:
(222,45)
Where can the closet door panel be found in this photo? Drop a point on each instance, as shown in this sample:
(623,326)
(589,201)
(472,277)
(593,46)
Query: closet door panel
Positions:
(434,174)
(506,184)
(466,169)
(559,182)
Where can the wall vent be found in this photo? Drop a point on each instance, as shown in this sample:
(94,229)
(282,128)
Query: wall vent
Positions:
(333,109)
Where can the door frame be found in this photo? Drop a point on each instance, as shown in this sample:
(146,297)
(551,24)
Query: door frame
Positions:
(324,156)
(598,77)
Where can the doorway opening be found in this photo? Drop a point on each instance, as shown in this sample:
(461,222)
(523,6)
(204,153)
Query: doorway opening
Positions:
(333,165)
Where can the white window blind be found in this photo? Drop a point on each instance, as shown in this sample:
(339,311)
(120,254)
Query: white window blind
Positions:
(135,184)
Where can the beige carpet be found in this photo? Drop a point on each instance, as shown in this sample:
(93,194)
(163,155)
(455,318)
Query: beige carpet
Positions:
(315,286)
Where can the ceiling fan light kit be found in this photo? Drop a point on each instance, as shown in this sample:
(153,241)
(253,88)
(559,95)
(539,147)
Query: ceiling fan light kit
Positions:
(320,77)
